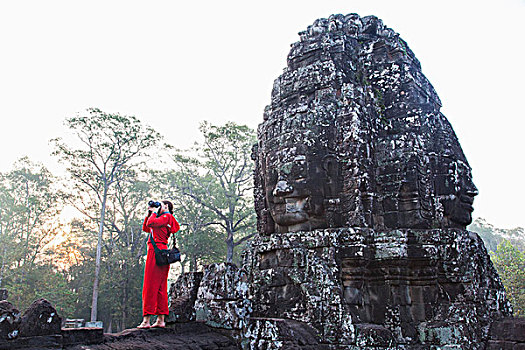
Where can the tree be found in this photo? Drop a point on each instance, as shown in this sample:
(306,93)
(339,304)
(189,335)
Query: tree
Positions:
(109,145)
(125,247)
(510,264)
(29,208)
(218,177)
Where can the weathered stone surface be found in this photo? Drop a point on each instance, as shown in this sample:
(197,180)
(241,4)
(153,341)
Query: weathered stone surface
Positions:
(179,336)
(274,333)
(9,320)
(222,297)
(433,287)
(370,335)
(182,296)
(510,329)
(40,318)
(41,342)
(295,276)
(500,345)
(82,335)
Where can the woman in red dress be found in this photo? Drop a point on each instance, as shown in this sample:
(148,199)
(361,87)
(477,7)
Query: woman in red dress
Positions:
(155,287)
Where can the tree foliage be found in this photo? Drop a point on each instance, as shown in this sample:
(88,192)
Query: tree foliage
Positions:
(29,207)
(199,238)
(510,263)
(216,176)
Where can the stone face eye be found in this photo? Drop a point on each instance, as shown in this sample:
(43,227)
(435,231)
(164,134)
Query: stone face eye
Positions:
(299,169)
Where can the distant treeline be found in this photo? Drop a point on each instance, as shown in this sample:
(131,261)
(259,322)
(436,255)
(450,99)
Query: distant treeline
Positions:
(493,236)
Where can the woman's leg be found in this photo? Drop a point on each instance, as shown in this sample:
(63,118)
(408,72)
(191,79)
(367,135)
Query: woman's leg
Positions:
(145,322)
(162,293)
(162,298)
(151,285)
(160,323)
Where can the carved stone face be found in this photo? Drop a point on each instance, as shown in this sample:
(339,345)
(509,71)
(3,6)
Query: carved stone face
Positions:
(439,193)
(367,103)
(456,191)
(301,185)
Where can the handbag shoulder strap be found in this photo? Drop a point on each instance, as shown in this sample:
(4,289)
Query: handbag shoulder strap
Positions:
(153,242)
(174,241)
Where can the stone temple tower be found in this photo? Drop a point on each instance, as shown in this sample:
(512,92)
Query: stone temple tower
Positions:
(363,195)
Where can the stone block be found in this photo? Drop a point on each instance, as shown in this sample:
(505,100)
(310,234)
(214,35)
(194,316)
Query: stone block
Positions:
(41,318)
(222,299)
(42,342)
(274,333)
(440,334)
(509,329)
(182,296)
(500,345)
(9,320)
(82,335)
(373,335)
(223,314)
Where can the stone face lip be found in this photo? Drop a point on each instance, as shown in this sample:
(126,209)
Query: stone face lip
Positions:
(41,318)
(9,321)
(354,137)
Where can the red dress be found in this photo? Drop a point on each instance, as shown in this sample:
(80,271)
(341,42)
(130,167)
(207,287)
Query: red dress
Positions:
(155,286)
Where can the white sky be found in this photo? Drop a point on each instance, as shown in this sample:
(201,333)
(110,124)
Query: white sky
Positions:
(174,64)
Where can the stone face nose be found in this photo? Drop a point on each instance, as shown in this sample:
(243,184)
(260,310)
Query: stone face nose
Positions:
(282,188)
(472,190)
(469,189)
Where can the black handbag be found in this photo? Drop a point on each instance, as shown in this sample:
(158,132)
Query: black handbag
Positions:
(165,256)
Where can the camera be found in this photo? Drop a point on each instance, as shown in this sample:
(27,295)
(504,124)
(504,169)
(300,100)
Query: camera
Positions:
(154,204)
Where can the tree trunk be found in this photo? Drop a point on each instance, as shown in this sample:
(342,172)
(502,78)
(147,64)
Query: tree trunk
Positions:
(110,325)
(94,301)
(191,259)
(2,269)
(125,298)
(230,245)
